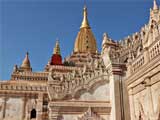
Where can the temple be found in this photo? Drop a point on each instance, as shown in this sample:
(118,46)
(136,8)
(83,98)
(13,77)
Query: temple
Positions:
(121,82)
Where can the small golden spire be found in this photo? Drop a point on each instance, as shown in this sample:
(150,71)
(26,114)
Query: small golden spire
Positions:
(155,6)
(26,62)
(57,48)
(85,23)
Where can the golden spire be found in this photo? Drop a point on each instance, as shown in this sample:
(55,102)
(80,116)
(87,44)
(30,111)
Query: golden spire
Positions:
(85,23)
(26,62)
(85,41)
(57,48)
(155,6)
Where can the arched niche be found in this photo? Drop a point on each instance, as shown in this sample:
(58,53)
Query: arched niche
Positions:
(100,93)
(33,114)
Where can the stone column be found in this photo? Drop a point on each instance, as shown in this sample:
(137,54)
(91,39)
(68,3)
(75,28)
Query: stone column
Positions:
(129,69)
(28,114)
(146,55)
(118,94)
(40,106)
(129,65)
(23,108)
(4,100)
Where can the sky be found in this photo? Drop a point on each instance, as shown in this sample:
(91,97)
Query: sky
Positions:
(35,25)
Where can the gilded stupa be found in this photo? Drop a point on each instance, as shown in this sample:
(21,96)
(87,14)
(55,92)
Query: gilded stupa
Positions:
(85,41)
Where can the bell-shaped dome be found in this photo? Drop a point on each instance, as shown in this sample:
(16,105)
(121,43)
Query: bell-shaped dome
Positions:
(26,63)
(85,41)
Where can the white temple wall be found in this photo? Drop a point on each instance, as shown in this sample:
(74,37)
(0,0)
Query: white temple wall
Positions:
(156,93)
(13,109)
(146,101)
(1,108)
(140,103)
(70,117)
(102,93)
(75,117)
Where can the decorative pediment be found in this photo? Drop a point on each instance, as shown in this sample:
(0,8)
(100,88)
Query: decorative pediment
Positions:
(60,86)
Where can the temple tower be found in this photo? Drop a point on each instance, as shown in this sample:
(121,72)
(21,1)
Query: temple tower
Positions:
(26,66)
(56,57)
(85,41)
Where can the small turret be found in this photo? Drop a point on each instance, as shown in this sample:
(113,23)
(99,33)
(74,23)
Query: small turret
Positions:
(56,57)
(56,48)
(105,39)
(154,13)
(15,69)
(107,43)
(155,6)
(26,66)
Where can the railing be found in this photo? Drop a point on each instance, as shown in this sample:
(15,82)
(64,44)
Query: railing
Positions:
(30,76)
(147,55)
(138,62)
(154,50)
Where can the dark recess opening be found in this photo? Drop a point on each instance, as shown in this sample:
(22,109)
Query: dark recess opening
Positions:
(33,113)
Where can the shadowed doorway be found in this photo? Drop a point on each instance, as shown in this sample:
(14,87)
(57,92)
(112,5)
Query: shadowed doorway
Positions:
(33,114)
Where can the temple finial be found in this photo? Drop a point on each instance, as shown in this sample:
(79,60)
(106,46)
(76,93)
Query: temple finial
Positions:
(155,6)
(56,58)
(57,48)
(85,23)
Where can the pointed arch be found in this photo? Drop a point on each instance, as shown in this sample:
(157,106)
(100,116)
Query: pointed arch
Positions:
(90,87)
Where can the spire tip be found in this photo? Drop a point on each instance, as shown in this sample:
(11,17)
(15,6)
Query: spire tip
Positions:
(85,23)
(155,6)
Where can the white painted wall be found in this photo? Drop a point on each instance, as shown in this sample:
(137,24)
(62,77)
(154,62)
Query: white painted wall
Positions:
(13,109)
(102,93)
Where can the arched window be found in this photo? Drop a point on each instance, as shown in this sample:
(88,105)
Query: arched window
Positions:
(33,113)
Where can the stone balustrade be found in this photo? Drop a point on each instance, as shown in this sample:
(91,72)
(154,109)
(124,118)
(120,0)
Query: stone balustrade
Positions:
(30,76)
(154,49)
(147,55)
(137,63)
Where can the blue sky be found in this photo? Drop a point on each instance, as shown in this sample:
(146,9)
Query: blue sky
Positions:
(34,26)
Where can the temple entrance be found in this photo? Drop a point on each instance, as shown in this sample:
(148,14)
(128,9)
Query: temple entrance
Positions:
(33,114)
